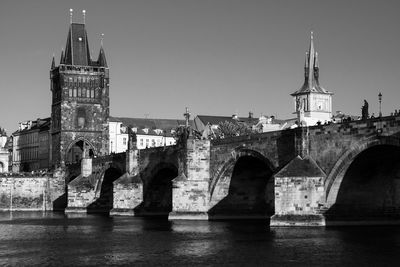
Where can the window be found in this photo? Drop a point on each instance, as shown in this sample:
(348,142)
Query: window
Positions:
(75,92)
(153,142)
(88,93)
(79,92)
(70,92)
(81,118)
(124,141)
(147,142)
(141,141)
(91,93)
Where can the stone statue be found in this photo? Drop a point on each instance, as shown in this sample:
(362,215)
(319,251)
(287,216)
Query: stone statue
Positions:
(364,110)
(132,139)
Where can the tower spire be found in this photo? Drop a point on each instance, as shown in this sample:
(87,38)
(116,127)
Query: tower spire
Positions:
(62,56)
(311,54)
(53,63)
(84,16)
(101,39)
(70,15)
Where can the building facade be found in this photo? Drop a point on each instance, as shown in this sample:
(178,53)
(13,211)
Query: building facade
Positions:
(149,132)
(29,150)
(312,102)
(4,153)
(80,101)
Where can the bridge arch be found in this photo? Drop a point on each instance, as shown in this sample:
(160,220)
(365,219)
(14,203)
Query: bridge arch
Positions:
(366,179)
(242,186)
(104,188)
(157,189)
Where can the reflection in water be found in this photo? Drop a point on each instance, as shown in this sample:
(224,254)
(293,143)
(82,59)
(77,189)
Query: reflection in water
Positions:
(54,239)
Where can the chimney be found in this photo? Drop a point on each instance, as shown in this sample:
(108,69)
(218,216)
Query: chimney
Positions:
(250,115)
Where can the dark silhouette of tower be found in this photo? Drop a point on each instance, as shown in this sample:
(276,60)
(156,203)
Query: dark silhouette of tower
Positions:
(80,101)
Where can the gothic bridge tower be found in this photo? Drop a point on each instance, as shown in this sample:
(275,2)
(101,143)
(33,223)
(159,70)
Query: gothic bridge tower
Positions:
(313,103)
(80,100)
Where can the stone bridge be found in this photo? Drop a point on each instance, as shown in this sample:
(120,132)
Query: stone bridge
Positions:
(320,175)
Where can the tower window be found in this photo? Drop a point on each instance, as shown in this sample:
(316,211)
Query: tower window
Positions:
(70,92)
(81,118)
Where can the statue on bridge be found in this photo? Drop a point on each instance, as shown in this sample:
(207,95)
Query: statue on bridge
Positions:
(364,110)
(132,139)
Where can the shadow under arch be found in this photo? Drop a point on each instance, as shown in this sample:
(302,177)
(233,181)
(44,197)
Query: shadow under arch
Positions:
(74,151)
(367,184)
(104,191)
(157,191)
(243,188)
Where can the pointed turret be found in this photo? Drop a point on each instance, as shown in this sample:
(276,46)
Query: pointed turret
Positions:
(53,63)
(101,60)
(62,57)
(311,72)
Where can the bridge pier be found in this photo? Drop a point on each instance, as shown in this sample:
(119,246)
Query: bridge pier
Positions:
(190,191)
(299,194)
(81,191)
(128,189)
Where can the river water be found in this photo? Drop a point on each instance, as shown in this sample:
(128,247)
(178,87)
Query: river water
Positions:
(52,239)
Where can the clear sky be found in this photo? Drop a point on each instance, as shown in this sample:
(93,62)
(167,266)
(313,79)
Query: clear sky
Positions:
(217,57)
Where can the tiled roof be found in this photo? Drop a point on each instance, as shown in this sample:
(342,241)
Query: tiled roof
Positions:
(77,49)
(299,167)
(215,120)
(140,123)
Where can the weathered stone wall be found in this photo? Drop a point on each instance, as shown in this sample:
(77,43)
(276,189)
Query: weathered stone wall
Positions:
(299,195)
(30,193)
(190,197)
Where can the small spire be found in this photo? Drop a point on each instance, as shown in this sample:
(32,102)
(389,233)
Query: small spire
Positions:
(101,39)
(84,16)
(53,63)
(70,15)
(187,117)
(62,56)
(311,54)
(306,61)
(316,63)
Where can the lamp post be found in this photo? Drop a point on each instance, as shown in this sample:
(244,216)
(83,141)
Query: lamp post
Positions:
(380,104)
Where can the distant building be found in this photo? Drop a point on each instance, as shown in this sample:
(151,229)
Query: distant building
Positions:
(31,146)
(4,153)
(149,132)
(260,125)
(313,103)
(201,122)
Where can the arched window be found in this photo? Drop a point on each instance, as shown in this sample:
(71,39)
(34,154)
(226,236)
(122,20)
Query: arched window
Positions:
(81,118)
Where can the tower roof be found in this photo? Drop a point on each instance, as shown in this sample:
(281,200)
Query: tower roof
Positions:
(77,47)
(311,73)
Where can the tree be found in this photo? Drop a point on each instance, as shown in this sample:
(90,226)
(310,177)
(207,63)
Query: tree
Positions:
(229,129)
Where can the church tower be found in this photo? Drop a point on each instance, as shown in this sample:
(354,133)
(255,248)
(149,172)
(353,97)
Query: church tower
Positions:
(313,103)
(80,100)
